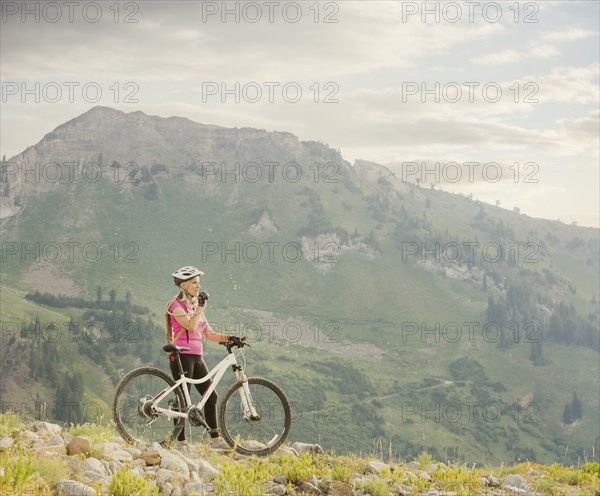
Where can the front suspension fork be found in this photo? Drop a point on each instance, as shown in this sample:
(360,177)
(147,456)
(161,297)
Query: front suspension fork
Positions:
(248,406)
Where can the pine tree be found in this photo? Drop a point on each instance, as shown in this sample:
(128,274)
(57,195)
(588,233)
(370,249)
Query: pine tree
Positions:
(536,353)
(113,298)
(576,407)
(568,414)
(34,361)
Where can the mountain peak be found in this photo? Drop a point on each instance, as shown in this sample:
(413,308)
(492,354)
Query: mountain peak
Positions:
(145,139)
(131,136)
(103,109)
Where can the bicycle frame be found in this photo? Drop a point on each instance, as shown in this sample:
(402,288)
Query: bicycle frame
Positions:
(216,374)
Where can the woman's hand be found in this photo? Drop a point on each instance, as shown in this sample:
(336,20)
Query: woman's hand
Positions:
(202,298)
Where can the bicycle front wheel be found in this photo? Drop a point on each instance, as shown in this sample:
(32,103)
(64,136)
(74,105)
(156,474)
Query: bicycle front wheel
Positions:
(258,435)
(134,407)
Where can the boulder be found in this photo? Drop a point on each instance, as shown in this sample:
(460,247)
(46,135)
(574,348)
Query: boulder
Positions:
(197,488)
(51,450)
(112,466)
(277,490)
(94,478)
(164,476)
(206,470)
(73,466)
(119,455)
(375,467)
(280,479)
(151,457)
(6,442)
(32,439)
(167,489)
(403,490)
(287,451)
(424,476)
(174,463)
(55,440)
(489,481)
(339,488)
(516,481)
(78,446)
(307,448)
(45,428)
(307,487)
(93,464)
(74,488)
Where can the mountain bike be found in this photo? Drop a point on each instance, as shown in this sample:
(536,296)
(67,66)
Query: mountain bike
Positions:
(253,416)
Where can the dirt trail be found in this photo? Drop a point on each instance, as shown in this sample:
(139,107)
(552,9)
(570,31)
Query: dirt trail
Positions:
(323,336)
(44,277)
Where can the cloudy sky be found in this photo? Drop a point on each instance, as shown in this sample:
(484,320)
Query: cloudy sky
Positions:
(426,88)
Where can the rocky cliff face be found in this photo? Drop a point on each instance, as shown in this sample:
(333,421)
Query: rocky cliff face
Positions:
(102,136)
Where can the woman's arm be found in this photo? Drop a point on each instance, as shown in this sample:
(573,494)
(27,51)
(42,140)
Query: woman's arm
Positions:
(214,336)
(188,322)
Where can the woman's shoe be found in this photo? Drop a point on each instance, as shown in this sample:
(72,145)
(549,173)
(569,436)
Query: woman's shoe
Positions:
(218,446)
(183,446)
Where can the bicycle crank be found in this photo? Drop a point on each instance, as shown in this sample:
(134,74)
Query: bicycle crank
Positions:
(196,418)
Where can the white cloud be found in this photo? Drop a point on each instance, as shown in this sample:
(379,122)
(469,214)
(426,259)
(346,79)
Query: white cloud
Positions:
(570,84)
(583,130)
(507,56)
(543,51)
(539,47)
(173,45)
(571,34)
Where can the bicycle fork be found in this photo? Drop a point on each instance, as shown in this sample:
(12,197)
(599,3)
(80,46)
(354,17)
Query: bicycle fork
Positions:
(248,407)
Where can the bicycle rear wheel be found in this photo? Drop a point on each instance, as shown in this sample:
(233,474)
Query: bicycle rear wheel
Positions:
(133,412)
(262,435)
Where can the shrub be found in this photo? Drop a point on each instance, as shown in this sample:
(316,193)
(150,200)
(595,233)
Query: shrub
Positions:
(126,483)
(375,486)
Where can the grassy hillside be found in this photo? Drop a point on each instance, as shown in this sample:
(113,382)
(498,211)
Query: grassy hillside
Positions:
(391,314)
(386,387)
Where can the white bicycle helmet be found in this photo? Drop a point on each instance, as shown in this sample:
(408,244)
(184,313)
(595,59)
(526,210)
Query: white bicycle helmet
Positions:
(187,272)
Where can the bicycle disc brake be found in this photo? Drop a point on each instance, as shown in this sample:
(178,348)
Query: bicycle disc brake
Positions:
(252,418)
(145,407)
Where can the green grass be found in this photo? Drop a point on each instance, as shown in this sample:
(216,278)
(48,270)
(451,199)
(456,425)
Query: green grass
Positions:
(375,486)
(125,483)
(24,469)
(96,433)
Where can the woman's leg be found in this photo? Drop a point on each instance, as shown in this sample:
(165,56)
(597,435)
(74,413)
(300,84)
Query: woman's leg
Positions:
(210,407)
(187,362)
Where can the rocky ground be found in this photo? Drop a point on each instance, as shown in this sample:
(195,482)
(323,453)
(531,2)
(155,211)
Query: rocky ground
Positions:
(43,458)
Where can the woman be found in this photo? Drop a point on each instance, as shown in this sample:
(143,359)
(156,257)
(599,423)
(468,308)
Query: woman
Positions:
(188,323)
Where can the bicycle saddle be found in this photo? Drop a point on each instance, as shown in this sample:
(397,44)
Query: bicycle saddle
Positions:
(171,348)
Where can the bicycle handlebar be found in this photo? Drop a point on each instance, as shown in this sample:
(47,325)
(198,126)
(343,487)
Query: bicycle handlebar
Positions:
(234,341)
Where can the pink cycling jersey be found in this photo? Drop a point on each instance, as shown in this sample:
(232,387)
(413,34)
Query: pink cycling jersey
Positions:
(189,339)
